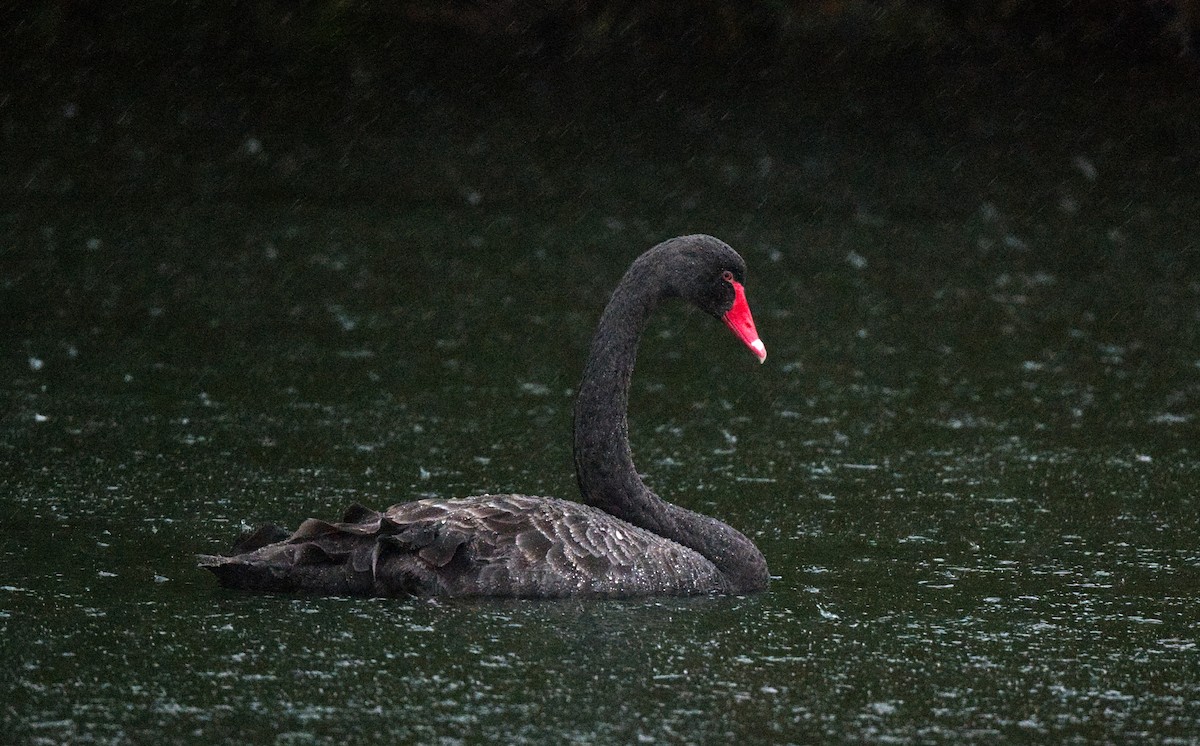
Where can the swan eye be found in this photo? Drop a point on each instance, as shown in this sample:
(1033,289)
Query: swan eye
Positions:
(727,276)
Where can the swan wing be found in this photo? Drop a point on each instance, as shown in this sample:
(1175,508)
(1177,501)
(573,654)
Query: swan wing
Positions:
(487,545)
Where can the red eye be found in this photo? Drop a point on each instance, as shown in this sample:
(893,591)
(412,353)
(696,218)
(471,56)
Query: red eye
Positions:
(727,276)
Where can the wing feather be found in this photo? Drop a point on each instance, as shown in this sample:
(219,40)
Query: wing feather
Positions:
(488,545)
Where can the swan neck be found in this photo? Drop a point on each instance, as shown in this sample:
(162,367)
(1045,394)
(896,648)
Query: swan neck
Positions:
(604,465)
(603,460)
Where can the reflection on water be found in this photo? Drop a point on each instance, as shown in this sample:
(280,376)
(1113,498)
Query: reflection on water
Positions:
(970,461)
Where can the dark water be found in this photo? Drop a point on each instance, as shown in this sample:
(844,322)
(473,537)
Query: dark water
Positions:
(971,458)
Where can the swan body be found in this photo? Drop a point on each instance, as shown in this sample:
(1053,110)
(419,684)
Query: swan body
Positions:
(486,545)
(622,540)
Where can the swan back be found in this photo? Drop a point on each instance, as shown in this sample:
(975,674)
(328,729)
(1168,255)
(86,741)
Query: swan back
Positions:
(487,545)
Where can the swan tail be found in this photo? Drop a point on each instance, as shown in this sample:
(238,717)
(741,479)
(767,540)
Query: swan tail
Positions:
(364,554)
(259,538)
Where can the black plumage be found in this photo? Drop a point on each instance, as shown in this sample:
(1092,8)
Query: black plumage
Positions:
(625,541)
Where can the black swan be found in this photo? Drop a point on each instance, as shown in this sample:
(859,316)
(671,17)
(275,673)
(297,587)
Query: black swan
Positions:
(626,541)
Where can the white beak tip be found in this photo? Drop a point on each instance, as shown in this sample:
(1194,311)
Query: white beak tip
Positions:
(760,350)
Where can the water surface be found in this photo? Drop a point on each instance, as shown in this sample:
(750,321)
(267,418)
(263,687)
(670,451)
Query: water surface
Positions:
(970,458)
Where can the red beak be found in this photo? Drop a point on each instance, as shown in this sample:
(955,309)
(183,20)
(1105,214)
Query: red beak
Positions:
(741,322)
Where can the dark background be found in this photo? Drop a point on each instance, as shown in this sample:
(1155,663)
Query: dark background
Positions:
(747,34)
(262,260)
(124,100)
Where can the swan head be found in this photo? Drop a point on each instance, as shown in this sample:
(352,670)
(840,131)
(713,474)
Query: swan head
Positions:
(710,274)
